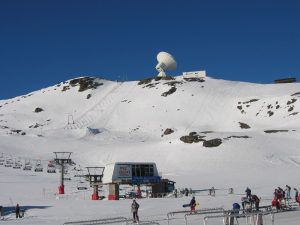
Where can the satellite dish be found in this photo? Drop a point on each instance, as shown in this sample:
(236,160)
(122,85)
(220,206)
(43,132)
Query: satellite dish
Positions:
(165,62)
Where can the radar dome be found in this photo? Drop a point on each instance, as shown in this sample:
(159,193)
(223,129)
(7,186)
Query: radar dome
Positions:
(165,62)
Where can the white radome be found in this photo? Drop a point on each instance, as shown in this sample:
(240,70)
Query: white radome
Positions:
(165,62)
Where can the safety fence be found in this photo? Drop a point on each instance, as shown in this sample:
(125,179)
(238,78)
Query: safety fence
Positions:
(114,220)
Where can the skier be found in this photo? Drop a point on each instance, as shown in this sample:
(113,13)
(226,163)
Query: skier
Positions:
(288,192)
(186,192)
(256,201)
(248,192)
(296,194)
(1,213)
(134,209)
(236,208)
(193,204)
(175,193)
(17,209)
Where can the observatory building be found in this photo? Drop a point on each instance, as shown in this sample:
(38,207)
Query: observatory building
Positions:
(197,74)
(165,62)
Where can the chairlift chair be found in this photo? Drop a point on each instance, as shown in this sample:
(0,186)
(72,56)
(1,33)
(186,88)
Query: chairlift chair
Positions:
(82,185)
(38,166)
(27,165)
(8,163)
(51,168)
(2,160)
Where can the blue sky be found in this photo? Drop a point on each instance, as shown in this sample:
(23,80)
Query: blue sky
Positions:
(43,42)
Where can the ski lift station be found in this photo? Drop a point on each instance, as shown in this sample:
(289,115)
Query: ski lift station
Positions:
(133,173)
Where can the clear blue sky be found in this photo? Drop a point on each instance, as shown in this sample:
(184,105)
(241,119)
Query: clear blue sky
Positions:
(43,42)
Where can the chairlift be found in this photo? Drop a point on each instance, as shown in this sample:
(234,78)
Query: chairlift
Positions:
(82,185)
(38,166)
(8,162)
(27,165)
(2,160)
(67,177)
(17,165)
(51,168)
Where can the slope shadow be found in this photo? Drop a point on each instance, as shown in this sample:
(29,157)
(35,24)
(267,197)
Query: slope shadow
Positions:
(10,209)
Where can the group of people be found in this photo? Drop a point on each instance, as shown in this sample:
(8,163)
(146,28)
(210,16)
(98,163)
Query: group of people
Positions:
(250,200)
(282,197)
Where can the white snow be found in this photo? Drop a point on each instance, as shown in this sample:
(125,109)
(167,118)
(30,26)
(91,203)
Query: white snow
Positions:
(130,120)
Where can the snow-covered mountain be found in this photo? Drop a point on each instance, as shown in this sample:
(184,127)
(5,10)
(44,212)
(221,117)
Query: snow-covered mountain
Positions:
(200,132)
(189,126)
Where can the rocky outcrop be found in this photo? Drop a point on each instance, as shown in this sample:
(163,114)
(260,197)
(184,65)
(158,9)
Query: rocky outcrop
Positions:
(169,92)
(168,131)
(38,109)
(244,125)
(193,137)
(212,143)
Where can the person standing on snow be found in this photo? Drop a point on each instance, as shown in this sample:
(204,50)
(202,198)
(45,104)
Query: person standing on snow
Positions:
(288,192)
(134,209)
(248,193)
(256,201)
(17,209)
(193,204)
(296,194)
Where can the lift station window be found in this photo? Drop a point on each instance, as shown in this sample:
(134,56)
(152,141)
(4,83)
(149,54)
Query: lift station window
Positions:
(142,170)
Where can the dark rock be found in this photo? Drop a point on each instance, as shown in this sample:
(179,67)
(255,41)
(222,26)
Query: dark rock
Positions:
(194,79)
(193,137)
(252,100)
(187,139)
(169,92)
(168,131)
(145,81)
(270,113)
(277,106)
(85,83)
(206,132)
(275,131)
(245,136)
(297,93)
(212,143)
(193,133)
(38,109)
(293,114)
(173,83)
(88,96)
(291,101)
(65,88)
(244,125)
(291,109)
(164,78)
(239,107)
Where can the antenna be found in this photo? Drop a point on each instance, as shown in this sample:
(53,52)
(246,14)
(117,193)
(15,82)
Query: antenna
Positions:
(165,62)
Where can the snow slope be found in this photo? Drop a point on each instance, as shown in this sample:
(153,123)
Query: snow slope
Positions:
(103,121)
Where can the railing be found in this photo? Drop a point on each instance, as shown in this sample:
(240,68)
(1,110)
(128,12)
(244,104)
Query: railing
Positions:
(203,212)
(99,221)
(114,220)
(256,218)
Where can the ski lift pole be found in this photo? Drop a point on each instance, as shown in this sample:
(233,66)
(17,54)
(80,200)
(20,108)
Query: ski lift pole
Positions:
(62,158)
(61,188)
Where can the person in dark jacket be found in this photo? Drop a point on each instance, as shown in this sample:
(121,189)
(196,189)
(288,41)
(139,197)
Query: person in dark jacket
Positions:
(17,209)
(193,204)
(248,193)
(256,201)
(236,208)
(296,194)
(134,209)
